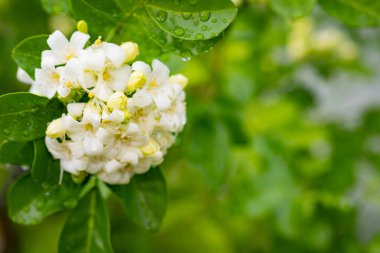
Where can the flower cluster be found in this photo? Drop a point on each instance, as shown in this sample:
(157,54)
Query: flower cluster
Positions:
(121,117)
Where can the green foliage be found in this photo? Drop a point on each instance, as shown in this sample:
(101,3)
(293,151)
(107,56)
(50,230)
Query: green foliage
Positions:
(354,12)
(56,6)
(145,199)
(87,228)
(27,54)
(190,20)
(30,202)
(293,8)
(45,169)
(24,116)
(17,153)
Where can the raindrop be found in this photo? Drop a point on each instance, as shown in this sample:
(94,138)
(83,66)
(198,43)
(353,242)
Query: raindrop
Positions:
(204,28)
(199,36)
(161,16)
(193,2)
(15,121)
(224,20)
(179,31)
(28,123)
(6,131)
(186,55)
(186,15)
(25,133)
(196,23)
(204,16)
(214,20)
(213,35)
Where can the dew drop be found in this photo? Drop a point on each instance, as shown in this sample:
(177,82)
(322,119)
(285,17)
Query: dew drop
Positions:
(204,16)
(28,123)
(186,55)
(204,28)
(224,20)
(6,131)
(193,2)
(214,20)
(196,23)
(199,36)
(161,16)
(25,133)
(186,15)
(179,31)
(213,35)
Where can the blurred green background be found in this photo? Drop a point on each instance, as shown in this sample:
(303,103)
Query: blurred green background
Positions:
(281,152)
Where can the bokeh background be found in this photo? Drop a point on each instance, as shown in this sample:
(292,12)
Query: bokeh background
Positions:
(281,152)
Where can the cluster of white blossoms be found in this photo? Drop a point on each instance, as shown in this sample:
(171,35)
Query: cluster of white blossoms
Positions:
(121,117)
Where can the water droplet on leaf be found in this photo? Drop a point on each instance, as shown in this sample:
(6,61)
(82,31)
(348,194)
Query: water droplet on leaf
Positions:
(214,20)
(186,15)
(179,31)
(186,55)
(204,28)
(6,131)
(161,16)
(224,20)
(193,2)
(25,133)
(199,36)
(204,16)
(196,23)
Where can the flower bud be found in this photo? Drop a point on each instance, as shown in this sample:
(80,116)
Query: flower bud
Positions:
(80,177)
(132,51)
(151,148)
(117,101)
(179,79)
(136,80)
(56,129)
(82,26)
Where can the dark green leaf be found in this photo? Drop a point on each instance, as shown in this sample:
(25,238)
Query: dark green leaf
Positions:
(293,8)
(56,6)
(29,202)
(24,116)
(87,228)
(354,12)
(45,169)
(212,159)
(18,153)
(102,16)
(27,54)
(145,198)
(192,20)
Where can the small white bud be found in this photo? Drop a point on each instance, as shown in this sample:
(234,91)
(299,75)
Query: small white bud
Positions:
(132,51)
(179,79)
(151,148)
(117,100)
(75,109)
(136,80)
(56,129)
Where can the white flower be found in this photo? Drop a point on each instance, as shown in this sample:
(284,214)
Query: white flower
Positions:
(63,50)
(131,115)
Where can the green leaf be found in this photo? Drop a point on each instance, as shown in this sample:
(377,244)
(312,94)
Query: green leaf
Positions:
(45,169)
(24,116)
(29,202)
(56,6)
(17,153)
(145,198)
(192,20)
(354,12)
(293,8)
(212,160)
(102,16)
(27,54)
(87,228)
(133,23)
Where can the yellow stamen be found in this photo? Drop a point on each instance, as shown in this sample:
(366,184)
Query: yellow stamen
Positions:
(98,41)
(91,95)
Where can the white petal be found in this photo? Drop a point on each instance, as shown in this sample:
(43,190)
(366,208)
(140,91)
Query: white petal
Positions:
(78,40)
(162,102)
(143,67)
(102,91)
(76,149)
(160,72)
(103,135)
(92,146)
(93,59)
(113,166)
(23,77)
(114,53)
(75,109)
(116,116)
(91,116)
(120,78)
(63,91)
(57,41)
